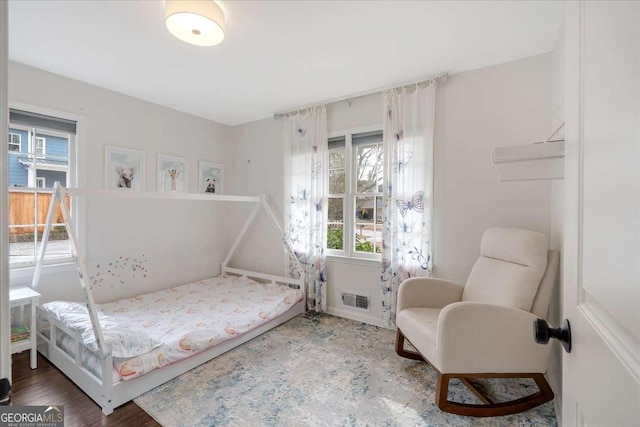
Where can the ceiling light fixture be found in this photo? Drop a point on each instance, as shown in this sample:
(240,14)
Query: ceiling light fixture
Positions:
(198,22)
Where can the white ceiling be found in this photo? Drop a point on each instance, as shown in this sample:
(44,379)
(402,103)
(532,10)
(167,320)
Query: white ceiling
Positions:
(277,55)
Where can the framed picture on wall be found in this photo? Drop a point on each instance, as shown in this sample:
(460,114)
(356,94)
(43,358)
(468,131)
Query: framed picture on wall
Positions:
(123,169)
(210,177)
(173,173)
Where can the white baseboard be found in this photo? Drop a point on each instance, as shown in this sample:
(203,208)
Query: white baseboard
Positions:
(354,315)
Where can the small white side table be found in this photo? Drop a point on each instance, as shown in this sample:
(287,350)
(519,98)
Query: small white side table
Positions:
(22,297)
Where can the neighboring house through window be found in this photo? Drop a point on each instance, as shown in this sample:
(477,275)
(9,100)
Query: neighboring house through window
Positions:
(356,177)
(14,142)
(43,154)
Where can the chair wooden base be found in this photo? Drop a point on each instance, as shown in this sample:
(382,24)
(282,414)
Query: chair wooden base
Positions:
(488,408)
(406,353)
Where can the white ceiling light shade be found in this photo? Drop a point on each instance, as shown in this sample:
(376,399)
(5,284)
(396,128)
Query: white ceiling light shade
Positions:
(198,22)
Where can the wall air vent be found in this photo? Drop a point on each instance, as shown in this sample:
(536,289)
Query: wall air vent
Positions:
(355,300)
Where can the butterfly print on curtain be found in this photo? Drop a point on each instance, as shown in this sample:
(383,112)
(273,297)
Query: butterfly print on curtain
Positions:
(416,203)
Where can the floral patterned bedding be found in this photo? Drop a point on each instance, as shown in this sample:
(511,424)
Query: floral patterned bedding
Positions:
(194,317)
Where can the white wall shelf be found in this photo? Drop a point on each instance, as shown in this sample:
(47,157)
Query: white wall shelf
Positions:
(531,161)
(160,195)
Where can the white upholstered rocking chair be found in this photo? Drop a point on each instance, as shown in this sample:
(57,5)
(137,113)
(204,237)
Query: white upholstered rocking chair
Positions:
(484,328)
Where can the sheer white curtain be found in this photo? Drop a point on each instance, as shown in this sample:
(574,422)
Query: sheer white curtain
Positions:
(306,190)
(408,193)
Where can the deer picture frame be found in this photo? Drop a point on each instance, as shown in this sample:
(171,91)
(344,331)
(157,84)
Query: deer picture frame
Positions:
(173,174)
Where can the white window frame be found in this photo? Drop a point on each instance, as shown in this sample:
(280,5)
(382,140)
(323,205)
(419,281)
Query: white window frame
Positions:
(348,230)
(41,182)
(44,146)
(344,198)
(19,143)
(77,168)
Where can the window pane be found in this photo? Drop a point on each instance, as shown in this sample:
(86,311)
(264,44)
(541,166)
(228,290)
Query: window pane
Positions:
(40,146)
(336,159)
(58,245)
(335,236)
(378,213)
(21,214)
(378,239)
(369,168)
(21,246)
(364,209)
(44,200)
(336,181)
(21,207)
(364,238)
(336,209)
(364,224)
(14,142)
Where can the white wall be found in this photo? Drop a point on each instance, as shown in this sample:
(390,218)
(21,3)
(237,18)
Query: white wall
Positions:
(475,112)
(163,233)
(257,169)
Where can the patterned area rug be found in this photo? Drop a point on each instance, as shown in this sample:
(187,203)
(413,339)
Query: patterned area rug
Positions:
(320,370)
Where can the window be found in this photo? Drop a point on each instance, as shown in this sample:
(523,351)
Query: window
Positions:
(14,142)
(49,158)
(41,144)
(356,178)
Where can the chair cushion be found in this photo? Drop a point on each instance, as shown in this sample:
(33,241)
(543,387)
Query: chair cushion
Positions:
(509,270)
(419,326)
(514,245)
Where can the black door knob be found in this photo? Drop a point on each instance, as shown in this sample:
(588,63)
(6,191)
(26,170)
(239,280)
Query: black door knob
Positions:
(543,332)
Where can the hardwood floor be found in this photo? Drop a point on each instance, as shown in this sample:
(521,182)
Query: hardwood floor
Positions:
(46,385)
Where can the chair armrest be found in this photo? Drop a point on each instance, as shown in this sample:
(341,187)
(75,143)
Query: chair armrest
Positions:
(428,292)
(474,337)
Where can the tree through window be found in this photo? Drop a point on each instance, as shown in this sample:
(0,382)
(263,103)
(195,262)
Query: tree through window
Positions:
(356,177)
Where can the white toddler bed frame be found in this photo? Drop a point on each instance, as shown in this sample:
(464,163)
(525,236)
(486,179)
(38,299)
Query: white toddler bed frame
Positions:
(110,392)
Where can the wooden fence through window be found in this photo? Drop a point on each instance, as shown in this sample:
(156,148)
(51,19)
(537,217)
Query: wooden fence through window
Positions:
(22,213)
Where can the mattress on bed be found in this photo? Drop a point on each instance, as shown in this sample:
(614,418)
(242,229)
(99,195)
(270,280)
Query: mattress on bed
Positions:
(194,317)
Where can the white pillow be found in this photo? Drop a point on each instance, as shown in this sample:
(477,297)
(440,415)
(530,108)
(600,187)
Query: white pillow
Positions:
(127,340)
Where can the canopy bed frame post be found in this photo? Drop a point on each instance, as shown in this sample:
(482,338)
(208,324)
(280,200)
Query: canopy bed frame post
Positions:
(269,211)
(45,237)
(299,268)
(262,203)
(243,231)
(59,195)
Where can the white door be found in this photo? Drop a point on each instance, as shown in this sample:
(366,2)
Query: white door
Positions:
(601,375)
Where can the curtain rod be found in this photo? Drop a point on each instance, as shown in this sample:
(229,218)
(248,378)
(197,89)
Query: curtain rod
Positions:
(440,78)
